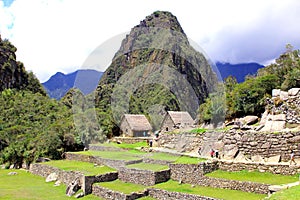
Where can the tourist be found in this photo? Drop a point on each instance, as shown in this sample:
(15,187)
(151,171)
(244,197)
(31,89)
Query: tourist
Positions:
(199,151)
(292,158)
(150,143)
(212,152)
(217,153)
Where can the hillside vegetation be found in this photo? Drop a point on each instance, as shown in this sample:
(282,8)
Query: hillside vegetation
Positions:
(249,97)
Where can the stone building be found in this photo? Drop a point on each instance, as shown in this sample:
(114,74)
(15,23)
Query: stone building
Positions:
(135,126)
(176,120)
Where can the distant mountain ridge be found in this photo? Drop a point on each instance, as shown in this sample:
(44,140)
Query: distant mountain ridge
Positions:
(239,71)
(59,84)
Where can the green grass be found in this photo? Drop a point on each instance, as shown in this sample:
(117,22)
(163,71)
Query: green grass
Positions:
(292,193)
(189,160)
(84,167)
(255,176)
(147,198)
(176,159)
(198,130)
(163,156)
(148,166)
(174,186)
(26,186)
(120,186)
(114,155)
(124,145)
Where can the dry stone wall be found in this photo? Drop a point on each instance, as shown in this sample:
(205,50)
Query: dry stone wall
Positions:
(233,185)
(101,161)
(67,177)
(143,177)
(264,144)
(163,194)
(130,140)
(195,174)
(191,173)
(230,143)
(287,103)
(284,169)
(115,195)
(185,142)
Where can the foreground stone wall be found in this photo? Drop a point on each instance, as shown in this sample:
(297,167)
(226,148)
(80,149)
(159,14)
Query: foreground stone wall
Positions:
(67,177)
(113,195)
(284,169)
(192,172)
(163,194)
(233,185)
(195,174)
(101,161)
(143,177)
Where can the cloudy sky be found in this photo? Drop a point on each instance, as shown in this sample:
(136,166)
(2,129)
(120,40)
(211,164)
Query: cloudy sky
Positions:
(58,35)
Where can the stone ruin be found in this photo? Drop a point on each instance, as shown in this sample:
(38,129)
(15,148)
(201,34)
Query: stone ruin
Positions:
(282,110)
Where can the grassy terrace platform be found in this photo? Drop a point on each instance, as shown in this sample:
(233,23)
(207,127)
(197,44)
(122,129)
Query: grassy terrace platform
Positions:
(114,155)
(174,186)
(290,194)
(255,176)
(120,186)
(148,166)
(84,167)
(174,158)
(123,145)
(27,186)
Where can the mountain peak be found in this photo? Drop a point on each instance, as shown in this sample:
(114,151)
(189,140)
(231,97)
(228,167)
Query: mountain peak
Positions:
(161,19)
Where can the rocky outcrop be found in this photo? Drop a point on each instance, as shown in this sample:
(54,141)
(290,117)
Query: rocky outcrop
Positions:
(12,72)
(286,105)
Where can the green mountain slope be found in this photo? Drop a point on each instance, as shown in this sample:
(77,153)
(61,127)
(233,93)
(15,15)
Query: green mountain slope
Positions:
(157,69)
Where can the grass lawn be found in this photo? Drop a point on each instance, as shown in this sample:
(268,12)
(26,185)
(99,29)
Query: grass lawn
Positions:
(189,160)
(292,193)
(174,186)
(147,198)
(123,145)
(255,176)
(148,166)
(85,167)
(120,186)
(175,159)
(26,186)
(114,155)
(163,156)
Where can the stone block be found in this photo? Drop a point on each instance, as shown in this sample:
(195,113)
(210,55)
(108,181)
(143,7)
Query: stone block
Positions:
(249,120)
(284,95)
(257,158)
(294,91)
(274,159)
(276,92)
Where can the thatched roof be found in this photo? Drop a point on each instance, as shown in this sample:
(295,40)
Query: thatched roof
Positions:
(137,122)
(180,117)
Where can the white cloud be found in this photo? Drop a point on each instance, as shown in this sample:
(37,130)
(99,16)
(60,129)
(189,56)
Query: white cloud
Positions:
(58,35)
